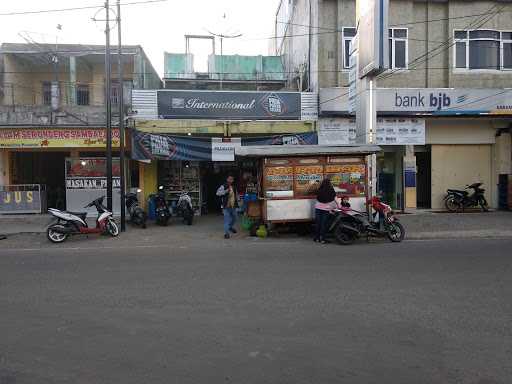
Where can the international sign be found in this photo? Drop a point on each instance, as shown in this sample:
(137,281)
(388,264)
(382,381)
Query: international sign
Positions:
(227,105)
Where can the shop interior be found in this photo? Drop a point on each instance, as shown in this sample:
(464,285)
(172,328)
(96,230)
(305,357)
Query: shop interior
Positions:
(202,179)
(45,168)
(423,177)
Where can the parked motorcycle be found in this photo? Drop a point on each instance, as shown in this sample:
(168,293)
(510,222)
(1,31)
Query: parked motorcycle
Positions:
(347,224)
(137,214)
(185,209)
(74,223)
(458,200)
(163,213)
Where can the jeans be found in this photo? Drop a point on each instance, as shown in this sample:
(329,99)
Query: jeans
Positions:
(229,219)
(322,221)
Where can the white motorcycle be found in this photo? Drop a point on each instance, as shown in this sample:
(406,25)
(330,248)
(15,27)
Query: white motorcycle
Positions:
(185,209)
(74,223)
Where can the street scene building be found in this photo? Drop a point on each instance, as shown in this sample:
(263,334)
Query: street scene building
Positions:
(443,106)
(52,118)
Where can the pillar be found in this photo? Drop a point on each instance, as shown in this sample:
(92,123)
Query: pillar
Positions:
(72,81)
(148,180)
(5,171)
(410,172)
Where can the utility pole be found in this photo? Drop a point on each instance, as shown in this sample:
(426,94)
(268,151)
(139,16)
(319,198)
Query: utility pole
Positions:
(108,105)
(121,117)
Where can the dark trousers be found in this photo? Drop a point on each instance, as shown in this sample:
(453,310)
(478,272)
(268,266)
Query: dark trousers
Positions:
(322,221)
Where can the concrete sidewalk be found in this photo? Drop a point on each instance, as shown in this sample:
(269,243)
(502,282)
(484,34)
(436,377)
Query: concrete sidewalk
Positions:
(418,225)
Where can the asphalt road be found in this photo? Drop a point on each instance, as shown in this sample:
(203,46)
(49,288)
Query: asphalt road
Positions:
(244,311)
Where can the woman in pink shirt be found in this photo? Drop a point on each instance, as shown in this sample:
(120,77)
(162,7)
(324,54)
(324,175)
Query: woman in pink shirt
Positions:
(324,204)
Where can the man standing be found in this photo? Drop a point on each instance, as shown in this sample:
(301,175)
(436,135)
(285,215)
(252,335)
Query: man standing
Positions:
(229,203)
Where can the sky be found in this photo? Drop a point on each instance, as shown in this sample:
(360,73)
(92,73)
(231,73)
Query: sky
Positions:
(157,27)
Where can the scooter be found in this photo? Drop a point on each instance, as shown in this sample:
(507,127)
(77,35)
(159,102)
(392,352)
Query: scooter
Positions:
(185,209)
(458,200)
(74,223)
(137,214)
(347,224)
(163,213)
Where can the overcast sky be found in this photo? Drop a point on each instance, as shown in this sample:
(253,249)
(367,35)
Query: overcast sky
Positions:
(158,27)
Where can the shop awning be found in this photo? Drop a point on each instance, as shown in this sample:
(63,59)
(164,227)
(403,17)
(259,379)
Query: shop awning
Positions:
(307,150)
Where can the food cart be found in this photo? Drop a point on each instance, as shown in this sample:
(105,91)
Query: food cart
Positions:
(289,177)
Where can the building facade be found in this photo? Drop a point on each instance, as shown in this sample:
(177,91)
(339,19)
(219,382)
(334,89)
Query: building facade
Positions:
(52,115)
(450,71)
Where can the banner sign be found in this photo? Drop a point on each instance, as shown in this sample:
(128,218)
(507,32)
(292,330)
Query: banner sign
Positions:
(56,138)
(166,147)
(309,138)
(146,146)
(20,201)
(390,131)
(424,101)
(228,105)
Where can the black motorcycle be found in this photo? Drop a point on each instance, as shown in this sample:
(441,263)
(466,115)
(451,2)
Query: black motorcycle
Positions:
(163,213)
(458,200)
(137,215)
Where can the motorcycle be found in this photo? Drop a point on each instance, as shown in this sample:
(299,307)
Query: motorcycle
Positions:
(458,200)
(347,224)
(74,223)
(163,213)
(137,214)
(185,209)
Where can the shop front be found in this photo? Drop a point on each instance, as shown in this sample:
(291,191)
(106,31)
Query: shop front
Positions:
(38,157)
(432,139)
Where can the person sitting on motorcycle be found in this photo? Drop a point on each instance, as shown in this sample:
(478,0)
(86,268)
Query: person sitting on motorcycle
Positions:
(325,203)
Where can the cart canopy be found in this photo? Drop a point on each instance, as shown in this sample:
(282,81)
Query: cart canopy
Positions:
(304,150)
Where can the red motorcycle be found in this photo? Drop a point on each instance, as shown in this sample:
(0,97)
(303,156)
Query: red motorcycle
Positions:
(348,224)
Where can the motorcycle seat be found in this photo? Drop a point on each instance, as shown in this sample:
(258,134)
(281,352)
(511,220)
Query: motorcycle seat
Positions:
(457,191)
(82,215)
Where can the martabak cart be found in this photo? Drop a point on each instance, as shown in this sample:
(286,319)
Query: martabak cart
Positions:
(289,176)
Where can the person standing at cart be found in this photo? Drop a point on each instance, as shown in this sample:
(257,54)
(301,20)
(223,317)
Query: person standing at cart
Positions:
(325,203)
(229,204)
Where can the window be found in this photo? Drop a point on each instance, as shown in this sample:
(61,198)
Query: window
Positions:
(114,93)
(347,36)
(47,93)
(398,48)
(482,49)
(82,95)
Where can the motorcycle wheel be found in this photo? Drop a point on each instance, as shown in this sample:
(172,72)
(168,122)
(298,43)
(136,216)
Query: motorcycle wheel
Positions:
(451,204)
(396,232)
(484,205)
(343,237)
(56,237)
(112,228)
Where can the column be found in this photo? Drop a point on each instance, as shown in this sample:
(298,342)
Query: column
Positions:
(410,177)
(72,81)
(5,171)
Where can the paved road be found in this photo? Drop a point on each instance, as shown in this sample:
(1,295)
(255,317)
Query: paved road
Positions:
(273,311)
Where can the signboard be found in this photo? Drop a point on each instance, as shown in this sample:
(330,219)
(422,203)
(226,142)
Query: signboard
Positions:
(349,179)
(20,199)
(223,149)
(389,131)
(373,36)
(56,138)
(228,105)
(308,179)
(424,101)
(86,180)
(353,76)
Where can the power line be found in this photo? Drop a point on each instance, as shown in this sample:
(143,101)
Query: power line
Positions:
(17,13)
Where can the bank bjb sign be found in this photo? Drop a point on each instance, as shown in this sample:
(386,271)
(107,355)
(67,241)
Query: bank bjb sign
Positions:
(445,101)
(15,201)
